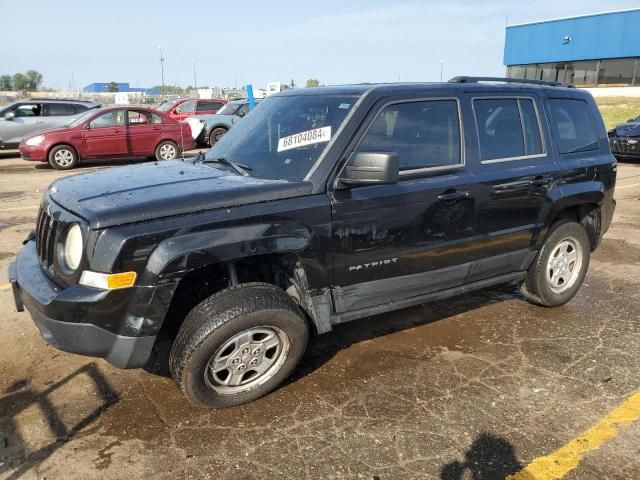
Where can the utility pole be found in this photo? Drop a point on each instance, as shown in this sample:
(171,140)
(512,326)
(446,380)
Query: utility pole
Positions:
(195,76)
(162,69)
(441,69)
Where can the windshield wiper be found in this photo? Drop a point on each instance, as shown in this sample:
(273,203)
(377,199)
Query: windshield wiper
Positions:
(238,167)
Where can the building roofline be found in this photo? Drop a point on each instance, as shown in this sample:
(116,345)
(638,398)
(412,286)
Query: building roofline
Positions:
(610,12)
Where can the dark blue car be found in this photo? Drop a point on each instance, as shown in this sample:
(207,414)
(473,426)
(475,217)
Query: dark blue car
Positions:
(625,140)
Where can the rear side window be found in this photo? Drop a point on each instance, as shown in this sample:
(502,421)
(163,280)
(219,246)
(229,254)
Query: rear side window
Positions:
(208,106)
(507,128)
(60,109)
(574,125)
(137,117)
(424,134)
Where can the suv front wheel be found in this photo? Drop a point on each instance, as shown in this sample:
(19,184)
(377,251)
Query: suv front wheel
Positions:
(560,266)
(238,345)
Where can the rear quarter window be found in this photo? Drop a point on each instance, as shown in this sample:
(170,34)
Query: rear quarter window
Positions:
(573,124)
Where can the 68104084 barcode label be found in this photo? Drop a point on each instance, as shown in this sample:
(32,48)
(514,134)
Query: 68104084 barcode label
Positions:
(317,135)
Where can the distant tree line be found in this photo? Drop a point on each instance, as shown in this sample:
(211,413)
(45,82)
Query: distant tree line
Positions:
(29,81)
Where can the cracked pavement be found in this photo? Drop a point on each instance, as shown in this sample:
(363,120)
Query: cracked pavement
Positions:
(472,387)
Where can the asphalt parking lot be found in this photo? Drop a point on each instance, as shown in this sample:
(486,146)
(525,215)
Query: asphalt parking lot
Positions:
(479,387)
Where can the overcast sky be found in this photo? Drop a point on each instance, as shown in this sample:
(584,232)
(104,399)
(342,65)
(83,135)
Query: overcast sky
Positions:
(336,41)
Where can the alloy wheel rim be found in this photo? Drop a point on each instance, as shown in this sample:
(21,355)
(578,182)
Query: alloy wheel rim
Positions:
(247,360)
(167,152)
(63,158)
(564,265)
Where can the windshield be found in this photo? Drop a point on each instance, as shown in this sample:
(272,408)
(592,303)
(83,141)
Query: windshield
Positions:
(229,109)
(284,136)
(166,105)
(78,120)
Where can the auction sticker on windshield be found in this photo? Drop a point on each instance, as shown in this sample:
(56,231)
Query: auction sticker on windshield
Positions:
(317,135)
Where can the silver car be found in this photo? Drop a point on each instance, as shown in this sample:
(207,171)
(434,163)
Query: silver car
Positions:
(27,116)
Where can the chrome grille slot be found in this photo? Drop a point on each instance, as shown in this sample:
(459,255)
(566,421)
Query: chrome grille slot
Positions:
(46,228)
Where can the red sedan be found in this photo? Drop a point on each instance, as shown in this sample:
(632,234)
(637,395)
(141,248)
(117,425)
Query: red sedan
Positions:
(114,132)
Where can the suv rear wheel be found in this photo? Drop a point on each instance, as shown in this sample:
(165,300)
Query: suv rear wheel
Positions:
(216,134)
(63,157)
(238,345)
(560,266)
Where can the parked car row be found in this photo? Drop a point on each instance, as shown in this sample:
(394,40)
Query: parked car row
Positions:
(64,132)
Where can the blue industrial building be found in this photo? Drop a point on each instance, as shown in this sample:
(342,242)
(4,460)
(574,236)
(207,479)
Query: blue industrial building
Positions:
(122,87)
(591,50)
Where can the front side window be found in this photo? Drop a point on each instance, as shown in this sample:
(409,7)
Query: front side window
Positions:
(284,136)
(113,118)
(28,110)
(573,124)
(507,128)
(186,107)
(424,134)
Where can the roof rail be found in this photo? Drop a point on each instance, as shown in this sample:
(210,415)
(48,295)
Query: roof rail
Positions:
(464,79)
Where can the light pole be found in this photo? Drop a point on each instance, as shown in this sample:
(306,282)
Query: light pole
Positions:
(162,69)
(195,76)
(441,69)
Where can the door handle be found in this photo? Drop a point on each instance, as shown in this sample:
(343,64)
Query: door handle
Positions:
(117,130)
(39,122)
(446,197)
(540,181)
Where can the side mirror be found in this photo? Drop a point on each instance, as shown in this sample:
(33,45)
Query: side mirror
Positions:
(9,116)
(371,168)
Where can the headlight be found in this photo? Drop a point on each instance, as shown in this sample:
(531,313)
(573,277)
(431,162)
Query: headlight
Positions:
(73,247)
(35,141)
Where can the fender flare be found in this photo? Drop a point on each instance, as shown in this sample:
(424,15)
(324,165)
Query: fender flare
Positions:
(176,256)
(569,196)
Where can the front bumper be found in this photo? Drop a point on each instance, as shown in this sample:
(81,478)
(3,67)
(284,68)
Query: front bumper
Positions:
(34,154)
(45,301)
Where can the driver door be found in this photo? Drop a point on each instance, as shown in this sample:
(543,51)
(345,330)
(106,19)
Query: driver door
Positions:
(392,242)
(105,136)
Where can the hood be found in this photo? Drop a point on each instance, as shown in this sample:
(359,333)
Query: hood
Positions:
(628,130)
(47,131)
(136,193)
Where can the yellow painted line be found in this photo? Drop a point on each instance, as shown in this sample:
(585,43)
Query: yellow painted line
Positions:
(13,209)
(5,286)
(567,458)
(628,186)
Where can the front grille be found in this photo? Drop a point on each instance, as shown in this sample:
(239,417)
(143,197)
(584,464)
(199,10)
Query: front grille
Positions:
(46,233)
(624,145)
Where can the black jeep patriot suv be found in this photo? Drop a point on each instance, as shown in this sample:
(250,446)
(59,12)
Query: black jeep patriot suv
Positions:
(324,205)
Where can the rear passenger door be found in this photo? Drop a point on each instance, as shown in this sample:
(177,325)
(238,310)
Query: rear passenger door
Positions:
(144,131)
(398,241)
(515,172)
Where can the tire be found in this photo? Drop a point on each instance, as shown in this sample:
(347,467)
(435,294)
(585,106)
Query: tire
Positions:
(553,279)
(167,150)
(231,326)
(63,157)
(216,134)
